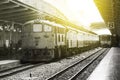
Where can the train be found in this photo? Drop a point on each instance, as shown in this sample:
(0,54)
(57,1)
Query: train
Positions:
(105,40)
(45,40)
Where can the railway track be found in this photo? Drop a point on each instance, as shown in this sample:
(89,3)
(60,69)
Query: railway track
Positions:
(75,76)
(17,69)
(72,71)
(89,69)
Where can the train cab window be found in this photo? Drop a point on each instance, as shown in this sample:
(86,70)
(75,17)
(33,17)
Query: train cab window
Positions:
(47,28)
(37,28)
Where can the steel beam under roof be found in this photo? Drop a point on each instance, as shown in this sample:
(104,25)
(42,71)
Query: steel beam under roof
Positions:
(13,15)
(16,11)
(4,1)
(13,10)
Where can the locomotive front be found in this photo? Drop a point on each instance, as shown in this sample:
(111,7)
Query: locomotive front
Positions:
(38,41)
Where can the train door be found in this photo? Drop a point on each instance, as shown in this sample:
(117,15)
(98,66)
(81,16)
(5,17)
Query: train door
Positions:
(60,41)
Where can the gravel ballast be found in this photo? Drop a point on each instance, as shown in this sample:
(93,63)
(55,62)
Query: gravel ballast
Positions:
(44,71)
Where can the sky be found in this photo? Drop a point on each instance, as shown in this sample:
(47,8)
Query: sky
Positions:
(81,12)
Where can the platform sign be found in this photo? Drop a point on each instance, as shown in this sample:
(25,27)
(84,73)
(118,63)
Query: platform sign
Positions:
(110,25)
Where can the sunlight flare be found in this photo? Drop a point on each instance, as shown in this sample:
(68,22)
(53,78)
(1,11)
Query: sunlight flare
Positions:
(81,12)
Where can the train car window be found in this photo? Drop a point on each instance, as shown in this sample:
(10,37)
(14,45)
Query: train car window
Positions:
(47,28)
(58,38)
(62,38)
(37,28)
(71,42)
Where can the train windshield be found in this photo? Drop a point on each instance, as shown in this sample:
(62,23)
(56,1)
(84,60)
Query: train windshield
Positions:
(47,28)
(37,28)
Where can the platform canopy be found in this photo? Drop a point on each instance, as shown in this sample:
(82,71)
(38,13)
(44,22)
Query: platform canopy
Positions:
(16,11)
(110,11)
(19,12)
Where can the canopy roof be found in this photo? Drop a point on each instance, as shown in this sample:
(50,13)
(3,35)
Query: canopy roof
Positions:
(16,11)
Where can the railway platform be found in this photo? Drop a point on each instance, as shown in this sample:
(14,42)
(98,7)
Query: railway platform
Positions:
(109,67)
(6,64)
